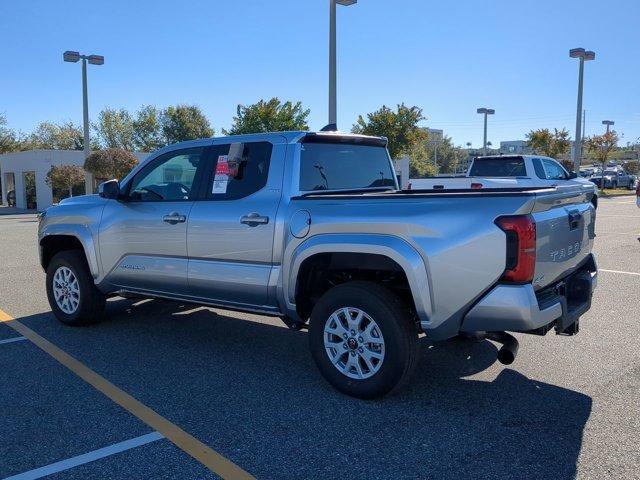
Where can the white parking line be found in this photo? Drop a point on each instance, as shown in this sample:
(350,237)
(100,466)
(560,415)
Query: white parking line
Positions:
(11,340)
(87,457)
(619,271)
(615,233)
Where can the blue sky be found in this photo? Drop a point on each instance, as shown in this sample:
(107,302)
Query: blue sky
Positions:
(447,57)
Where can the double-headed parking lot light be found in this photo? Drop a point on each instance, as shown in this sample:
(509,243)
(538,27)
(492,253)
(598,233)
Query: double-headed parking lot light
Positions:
(485,112)
(583,55)
(608,123)
(73,57)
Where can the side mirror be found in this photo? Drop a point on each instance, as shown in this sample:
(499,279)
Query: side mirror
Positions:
(573,175)
(109,189)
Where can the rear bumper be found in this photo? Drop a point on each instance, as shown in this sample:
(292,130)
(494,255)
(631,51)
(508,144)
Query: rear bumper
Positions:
(518,308)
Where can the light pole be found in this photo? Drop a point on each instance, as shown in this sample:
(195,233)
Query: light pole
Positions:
(608,123)
(333,108)
(583,55)
(485,111)
(73,57)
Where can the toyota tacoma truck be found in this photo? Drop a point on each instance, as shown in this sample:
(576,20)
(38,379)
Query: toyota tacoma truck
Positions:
(312,228)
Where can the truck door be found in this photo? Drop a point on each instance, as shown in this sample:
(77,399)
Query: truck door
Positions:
(231,229)
(143,236)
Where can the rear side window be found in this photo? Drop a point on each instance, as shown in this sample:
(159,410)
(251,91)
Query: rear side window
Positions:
(498,167)
(329,166)
(239,170)
(553,170)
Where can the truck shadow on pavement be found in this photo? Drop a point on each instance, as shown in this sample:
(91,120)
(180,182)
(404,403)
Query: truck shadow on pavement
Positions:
(251,391)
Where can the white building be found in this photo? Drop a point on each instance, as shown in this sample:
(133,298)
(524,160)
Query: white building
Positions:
(515,147)
(17,167)
(435,135)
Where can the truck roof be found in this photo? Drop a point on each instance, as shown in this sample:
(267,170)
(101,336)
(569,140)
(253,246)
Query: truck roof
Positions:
(295,136)
(513,156)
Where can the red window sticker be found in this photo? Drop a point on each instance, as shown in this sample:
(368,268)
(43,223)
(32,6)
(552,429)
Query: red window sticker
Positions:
(222,168)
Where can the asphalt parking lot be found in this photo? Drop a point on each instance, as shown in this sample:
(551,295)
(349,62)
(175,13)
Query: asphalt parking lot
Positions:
(247,389)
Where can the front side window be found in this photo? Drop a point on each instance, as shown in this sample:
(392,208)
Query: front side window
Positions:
(240,169)
(168,178)
(498,167)
(328,166)
(553,170)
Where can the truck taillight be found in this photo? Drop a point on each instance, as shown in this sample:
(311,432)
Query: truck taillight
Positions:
(521,247)
(476,186)
(638,188)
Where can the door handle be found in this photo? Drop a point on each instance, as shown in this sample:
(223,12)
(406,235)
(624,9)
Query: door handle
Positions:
(254,219)
(173,218)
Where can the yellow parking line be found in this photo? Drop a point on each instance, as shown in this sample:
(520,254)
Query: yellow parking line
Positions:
(181,439)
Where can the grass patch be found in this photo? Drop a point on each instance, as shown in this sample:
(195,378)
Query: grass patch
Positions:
(616,192)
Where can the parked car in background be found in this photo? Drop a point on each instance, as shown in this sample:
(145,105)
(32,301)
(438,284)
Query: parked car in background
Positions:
(614,178)
(504,171)
(11,198)
(312,228)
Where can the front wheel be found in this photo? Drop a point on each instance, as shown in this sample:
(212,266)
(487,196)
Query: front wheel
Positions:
(363,340)
(72,294)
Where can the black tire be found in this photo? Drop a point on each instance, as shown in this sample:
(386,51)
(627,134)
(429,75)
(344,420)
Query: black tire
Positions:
(399,332)
(91,305)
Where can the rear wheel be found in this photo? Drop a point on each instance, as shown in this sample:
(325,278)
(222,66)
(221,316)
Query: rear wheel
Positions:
(363,340)
(72,294)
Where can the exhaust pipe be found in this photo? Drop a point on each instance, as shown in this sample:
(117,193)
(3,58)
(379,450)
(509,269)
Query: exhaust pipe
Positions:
(509,350)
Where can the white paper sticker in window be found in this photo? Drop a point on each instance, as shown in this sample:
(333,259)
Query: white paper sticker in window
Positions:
(221,179)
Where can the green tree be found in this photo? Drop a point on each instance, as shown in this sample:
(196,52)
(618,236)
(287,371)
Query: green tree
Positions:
(147,129)
(601,146)
(420,162)
(632,167)
(554,145)
(269,116)
(185,122)
(8,138)
(110,163)
(65,177)
(400,127)
(115,129)
(51,136)
(448,156)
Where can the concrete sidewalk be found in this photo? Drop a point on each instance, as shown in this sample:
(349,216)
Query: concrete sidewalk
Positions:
(15,211)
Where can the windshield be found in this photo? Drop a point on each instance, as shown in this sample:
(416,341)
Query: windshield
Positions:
(329,166)
(498,167)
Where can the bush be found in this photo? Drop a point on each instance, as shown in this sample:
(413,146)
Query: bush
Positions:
(110,163)
(65,177)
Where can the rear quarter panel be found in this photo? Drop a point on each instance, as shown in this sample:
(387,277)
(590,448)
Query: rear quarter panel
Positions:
(463,251)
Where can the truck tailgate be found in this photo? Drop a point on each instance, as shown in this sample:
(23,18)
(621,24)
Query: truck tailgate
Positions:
(565,230)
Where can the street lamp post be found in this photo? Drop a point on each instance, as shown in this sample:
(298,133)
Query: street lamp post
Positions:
(608,123)
(73,57)
(583,55)
(485,111)
(333,108)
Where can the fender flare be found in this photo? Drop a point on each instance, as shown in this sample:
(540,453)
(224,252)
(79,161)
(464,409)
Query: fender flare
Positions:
(83,235)
(389,246)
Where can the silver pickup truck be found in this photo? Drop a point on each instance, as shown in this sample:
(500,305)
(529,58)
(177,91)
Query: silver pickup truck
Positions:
(312,228)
